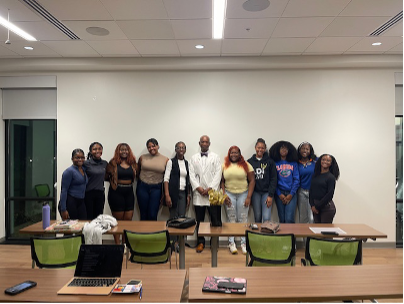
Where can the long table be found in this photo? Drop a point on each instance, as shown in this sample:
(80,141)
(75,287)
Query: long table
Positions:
(137,226)
(358,231)
(158,286)
(303,284)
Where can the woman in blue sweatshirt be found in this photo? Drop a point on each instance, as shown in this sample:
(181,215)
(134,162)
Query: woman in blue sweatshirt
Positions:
(285,156)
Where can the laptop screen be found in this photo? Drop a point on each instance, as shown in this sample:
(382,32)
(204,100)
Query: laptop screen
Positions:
(99,261)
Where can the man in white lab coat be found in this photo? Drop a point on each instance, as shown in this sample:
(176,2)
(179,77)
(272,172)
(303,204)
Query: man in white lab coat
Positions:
(205,173)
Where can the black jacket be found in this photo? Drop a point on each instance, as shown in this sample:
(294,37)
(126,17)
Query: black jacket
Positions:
(174,183)
(265,174)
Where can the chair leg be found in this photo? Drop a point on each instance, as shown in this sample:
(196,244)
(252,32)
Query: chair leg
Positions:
(33,264)
(127,258)
(169,254)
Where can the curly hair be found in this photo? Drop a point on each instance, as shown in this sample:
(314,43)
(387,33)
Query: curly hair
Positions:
(241,162)
(312,156)
(274,151)
(131,159)
(334,169)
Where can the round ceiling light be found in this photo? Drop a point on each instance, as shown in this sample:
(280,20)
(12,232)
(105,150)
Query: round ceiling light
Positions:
(377,43)
(256,5)
(199,46)
(28,48)
(97,31)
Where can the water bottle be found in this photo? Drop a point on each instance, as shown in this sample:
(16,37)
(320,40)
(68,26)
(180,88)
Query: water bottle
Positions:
(45,216)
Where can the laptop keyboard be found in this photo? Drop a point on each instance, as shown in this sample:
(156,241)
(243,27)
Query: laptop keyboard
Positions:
(92,282)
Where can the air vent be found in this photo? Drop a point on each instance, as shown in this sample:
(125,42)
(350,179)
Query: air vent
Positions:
(388,24)
(39,9)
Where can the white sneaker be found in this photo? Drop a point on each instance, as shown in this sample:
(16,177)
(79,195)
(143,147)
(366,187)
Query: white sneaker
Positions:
(244,249)
(233,248)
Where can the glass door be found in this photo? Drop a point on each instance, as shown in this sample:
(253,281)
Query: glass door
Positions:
(30,173)
(399,181)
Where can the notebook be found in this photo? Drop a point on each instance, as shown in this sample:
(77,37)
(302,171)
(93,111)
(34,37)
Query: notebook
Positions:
(212,284)
(96,264)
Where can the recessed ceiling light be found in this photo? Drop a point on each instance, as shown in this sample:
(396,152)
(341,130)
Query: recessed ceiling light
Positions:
(256,5)
(28,48)
(97,31)
(199,46)
(219,11)
(377,43)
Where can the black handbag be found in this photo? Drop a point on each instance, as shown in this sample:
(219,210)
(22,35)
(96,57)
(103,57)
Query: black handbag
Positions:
(181,222)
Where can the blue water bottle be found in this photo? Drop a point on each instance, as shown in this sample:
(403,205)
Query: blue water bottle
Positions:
(45,216)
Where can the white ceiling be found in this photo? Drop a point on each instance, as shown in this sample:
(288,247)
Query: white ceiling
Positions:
(172,28)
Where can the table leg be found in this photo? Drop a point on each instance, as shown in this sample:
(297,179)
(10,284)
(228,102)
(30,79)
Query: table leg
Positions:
(182,251)
(214,245)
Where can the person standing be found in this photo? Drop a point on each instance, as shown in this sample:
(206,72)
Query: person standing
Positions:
(265,182)
(307,162)
(74,181)
(326,173)
(150,183)
(95,191)
(285,156)
(205,173)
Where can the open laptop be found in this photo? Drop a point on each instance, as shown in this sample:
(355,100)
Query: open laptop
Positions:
(97,272)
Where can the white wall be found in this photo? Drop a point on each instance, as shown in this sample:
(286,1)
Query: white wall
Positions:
(348,113)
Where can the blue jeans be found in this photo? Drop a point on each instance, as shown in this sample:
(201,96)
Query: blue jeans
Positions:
(237,212)
(286,213)
(259,203)
(148,198)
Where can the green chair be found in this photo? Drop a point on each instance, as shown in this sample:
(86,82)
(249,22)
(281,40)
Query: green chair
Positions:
(56,252)
(42,190)
(148,247)
(270,249)
(327,252)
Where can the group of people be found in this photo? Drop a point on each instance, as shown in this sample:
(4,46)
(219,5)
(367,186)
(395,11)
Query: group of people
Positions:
(293,178)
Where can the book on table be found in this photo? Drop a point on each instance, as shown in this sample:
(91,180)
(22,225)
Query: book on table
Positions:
(225,285)
(66,225)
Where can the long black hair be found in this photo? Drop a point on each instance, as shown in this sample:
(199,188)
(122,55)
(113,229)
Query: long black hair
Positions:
(274,151)
(334,169)
(89,155)
(313,156)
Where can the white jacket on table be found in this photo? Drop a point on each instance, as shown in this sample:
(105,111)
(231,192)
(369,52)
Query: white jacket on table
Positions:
(93,231)
(205,172)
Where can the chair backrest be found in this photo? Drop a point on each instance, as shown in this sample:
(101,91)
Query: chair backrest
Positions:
(42,190)
(148,248)
(325,252)
(270,249)
(56,252)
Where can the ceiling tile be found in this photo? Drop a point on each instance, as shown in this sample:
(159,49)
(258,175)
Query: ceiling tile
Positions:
(257,28)
(4,35)
(5,52)
(211,46)
(301,27)
(156,47)
(398,48)
(353,26)
(116,47)
(322,53)
(72,48)
(189,9)
(332,44)
(394,31)
(363,53)
(79,28)
(76,9)
(42,30)
(136,9)
(235,9)
(314,8)
(18,11)
(281,54)
(243,46)
(373,8)
(365,45)
(287,45)
(192,29)
(147,29)
(40,50)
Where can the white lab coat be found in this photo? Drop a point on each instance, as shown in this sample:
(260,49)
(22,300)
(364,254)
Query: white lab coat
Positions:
(205,173)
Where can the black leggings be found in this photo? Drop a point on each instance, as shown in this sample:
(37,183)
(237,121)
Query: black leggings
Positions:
(95,200)
(121,199)
(76,208)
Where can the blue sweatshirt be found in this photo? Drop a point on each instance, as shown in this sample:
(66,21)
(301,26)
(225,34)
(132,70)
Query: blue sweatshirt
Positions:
(73,183)
(306,173)
(288,177)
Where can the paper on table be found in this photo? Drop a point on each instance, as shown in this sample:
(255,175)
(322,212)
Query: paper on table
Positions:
(317,230)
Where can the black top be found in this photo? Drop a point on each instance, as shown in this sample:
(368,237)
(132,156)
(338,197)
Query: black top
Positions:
(265,174)
(125,174)
(174,184)
(95,170)
(322,190)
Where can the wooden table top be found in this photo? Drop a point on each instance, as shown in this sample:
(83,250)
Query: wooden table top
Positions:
(299,230)
(303,284)
(137,226)
(158,286)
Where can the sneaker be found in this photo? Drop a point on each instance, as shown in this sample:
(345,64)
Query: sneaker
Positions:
(233,248)
(243,249)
